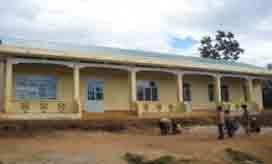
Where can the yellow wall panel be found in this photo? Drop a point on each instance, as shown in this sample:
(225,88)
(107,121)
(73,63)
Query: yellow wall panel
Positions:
(199,91)
(166,82)
(236,92)
(64,86)
(116,91)
(117,86)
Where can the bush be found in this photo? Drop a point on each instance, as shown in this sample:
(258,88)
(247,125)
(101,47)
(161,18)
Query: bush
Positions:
(164,160)
(242,158)
(167,159)
(134,158)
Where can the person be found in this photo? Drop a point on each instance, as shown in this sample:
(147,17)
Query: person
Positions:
(176,128)
(235,126)
(255,126)
(165,126)
(245,119)
(220,122)
(162,127)
(228,123)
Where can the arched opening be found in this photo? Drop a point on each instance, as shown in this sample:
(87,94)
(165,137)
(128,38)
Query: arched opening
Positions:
(104,90)
(41,88)
(233,90)
(156,92)
(199,91)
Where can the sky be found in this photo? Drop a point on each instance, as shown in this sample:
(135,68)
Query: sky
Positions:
(174,26)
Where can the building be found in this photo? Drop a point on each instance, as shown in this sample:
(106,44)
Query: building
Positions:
(42,83)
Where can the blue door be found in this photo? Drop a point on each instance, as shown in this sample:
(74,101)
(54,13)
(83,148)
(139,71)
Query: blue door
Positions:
(95,96)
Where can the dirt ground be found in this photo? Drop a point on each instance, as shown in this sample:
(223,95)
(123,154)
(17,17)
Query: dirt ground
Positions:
(89,147)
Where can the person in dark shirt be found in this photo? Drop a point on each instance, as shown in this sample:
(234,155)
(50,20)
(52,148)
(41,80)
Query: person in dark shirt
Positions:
(245,119)
(165,125)
(163,128)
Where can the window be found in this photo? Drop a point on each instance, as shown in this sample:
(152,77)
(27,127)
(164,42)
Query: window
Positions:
(211,92)
(187,96)
(36,87)
(225,93)
(95,90)
(147,90)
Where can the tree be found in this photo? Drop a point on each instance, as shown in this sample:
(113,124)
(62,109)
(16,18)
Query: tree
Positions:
(222,47)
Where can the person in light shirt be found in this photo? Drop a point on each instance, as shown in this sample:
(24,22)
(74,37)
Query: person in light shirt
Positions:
(220,122)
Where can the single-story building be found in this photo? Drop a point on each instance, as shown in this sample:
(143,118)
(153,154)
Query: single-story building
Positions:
(44,83)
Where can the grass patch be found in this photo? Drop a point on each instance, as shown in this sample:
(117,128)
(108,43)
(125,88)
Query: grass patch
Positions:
(167,159)
(238,157)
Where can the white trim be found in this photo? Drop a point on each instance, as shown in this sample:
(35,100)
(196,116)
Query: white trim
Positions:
(175,71)
(236,76)
(129,68)
(41,61)
(84,65)
(245,77)
(138,69)
(198,73)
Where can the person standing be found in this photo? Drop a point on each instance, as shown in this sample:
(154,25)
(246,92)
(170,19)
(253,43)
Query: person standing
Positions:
(229,123)
(220,122)
(245,119)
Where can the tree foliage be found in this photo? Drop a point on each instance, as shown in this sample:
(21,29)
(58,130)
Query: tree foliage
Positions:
(222,47)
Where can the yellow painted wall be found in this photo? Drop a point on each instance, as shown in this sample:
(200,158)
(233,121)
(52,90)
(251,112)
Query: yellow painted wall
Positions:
(167,85)
(117,86)
(235,89)
(64,86)
(199,91)
(116,91)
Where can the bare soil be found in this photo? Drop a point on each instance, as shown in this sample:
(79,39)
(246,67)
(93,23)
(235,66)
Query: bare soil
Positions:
(97,147)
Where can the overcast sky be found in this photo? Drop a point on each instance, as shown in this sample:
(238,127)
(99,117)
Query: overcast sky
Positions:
(174,26)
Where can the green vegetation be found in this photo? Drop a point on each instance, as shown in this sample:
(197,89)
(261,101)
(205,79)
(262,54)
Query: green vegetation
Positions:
(238,157)
(223,46)
(167,159)
(233,156)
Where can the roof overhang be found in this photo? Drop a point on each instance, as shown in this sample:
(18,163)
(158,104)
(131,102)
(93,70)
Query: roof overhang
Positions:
(14,51)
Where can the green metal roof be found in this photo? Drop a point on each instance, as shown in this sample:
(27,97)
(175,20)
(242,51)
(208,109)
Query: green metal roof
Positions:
(119,53)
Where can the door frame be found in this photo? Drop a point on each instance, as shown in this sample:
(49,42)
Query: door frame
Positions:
(86,94)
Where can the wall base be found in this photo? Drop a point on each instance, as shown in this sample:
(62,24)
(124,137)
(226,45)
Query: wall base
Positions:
(41,116)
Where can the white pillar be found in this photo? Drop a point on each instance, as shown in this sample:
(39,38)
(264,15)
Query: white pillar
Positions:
(2,82)
(218,96)
(76,79)
(133,86)
(8,84)
(180,87)
(250,90)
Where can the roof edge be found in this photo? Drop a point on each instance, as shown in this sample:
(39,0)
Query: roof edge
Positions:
(70,55)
